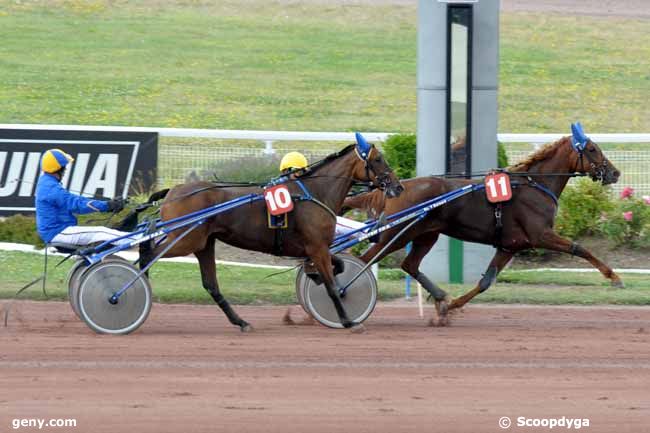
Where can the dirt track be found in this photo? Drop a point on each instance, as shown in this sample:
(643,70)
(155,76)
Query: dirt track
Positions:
(186,369)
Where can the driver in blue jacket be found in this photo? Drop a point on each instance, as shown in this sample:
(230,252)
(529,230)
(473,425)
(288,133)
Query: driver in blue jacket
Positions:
(55,207)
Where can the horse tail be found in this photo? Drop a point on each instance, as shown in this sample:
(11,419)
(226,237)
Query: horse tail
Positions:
(146,249)
(129,222)
(158,195)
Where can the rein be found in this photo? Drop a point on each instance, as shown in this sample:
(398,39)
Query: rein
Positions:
(510,173)
(299,173)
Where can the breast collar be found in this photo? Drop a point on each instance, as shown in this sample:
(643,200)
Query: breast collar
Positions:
(539,186)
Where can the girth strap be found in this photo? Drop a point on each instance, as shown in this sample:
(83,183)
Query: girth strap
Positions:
(278,242)
(498,210)
(498,228)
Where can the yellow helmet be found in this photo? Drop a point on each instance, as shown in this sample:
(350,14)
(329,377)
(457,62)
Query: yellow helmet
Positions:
(54,160)
(293,160)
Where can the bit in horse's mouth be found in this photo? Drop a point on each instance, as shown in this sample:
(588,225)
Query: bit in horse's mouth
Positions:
(394,191)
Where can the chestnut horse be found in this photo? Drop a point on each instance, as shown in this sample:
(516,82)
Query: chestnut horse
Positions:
(318,194)
(527,219)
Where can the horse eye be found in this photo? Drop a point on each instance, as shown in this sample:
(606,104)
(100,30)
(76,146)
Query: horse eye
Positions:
(593,149)
(378,160)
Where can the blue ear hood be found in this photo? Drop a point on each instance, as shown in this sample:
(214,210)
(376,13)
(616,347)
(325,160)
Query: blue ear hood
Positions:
(578,139)
(362,146)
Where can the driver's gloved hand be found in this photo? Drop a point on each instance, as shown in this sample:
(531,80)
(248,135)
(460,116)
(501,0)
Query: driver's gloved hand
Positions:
(115,205)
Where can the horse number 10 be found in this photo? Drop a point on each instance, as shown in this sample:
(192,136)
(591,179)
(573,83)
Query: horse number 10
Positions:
(497,188)
(278,200)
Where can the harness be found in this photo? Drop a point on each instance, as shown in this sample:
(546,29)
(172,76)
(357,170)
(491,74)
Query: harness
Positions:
(598,171)
(280,223)
(498,209)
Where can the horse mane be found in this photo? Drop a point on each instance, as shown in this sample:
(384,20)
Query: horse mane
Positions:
(311,168)
(547,151)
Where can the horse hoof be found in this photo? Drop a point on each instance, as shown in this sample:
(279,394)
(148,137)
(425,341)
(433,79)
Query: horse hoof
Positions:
(287,320)
(358,328)
(246,328)
(438,323)
(442,308)
(618,284)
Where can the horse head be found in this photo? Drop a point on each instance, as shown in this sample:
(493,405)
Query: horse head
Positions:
(596,165)
(372,167)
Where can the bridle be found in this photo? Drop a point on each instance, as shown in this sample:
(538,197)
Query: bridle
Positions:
(382,180)
(597,171)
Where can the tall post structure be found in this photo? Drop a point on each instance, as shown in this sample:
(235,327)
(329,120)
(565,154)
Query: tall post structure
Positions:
(457,84)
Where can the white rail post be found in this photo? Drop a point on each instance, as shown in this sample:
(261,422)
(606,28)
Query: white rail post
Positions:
(375,270)
(268,147)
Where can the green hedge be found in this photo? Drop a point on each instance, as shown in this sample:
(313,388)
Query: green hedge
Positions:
(20,229)
(400,152)
(245,169)
(589,208)
(581,207)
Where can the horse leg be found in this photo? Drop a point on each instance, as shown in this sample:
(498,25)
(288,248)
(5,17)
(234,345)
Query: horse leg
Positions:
(323,262)
(552,241)
(339,266)
(411,265)
(499,261)
(209,278)
(146,251)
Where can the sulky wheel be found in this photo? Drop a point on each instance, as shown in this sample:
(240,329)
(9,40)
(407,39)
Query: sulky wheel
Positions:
(99,283)
(72,280)
(74,276)
(300,287)
(359,300)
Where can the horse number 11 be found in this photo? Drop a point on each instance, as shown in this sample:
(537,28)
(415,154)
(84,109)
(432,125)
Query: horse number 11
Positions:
(497,188)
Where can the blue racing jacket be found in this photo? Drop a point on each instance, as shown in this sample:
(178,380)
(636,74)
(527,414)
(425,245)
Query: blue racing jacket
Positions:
(55,207)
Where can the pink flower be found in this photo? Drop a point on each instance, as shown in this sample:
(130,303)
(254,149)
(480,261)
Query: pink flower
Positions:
(627,192)
(628,215)
(646,199)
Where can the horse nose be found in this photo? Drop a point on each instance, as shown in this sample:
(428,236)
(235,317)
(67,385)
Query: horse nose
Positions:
(395,191)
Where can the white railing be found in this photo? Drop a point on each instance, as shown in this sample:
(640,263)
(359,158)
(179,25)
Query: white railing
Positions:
(548,138)
(176,161)
(234,134)
(268,137)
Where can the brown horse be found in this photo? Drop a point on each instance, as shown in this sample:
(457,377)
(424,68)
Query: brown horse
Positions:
(527,219)
(309,231)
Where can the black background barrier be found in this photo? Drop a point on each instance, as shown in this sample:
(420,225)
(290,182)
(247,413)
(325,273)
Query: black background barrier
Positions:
(107,164)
